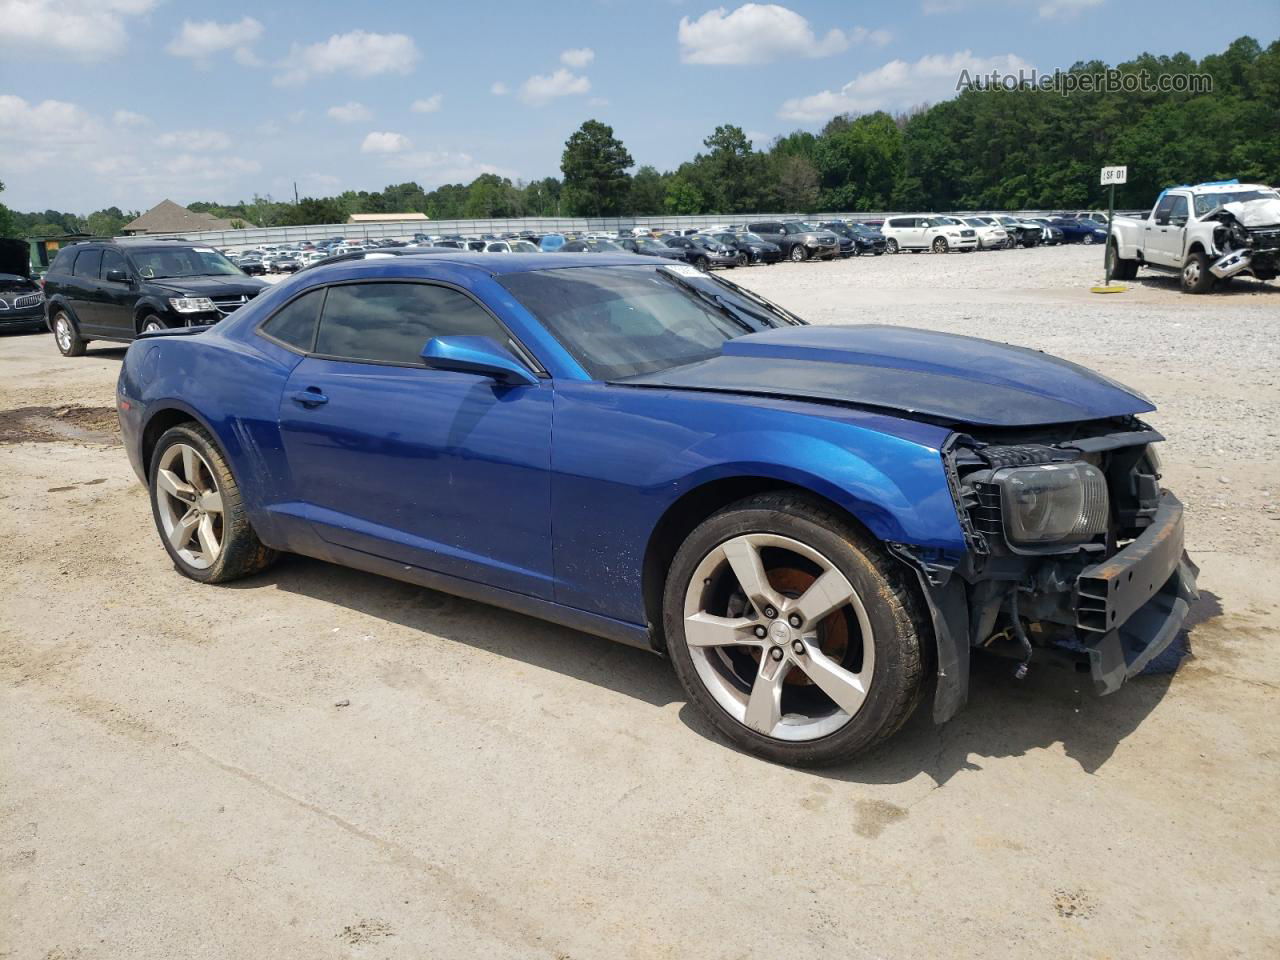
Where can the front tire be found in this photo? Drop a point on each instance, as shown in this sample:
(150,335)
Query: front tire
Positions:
(939,244)
(799,254)
(66,336)
(794,632)
(198,509)
(1087,239)
(1196,277)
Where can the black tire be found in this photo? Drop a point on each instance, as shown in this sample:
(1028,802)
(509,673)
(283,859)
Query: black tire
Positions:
(898,623)
(1030,243)
(242,554)
(940,245)
(799,253)
(151,321)
(743,260)
(1087,239)
(1121,269)
(1196,277)
(703,264)
(67,336)
(891,245)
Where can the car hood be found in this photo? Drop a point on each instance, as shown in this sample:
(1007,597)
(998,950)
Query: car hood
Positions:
(15,257)
(227,286)
(920,373)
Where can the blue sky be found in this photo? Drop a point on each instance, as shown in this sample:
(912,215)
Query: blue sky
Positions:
(127,102)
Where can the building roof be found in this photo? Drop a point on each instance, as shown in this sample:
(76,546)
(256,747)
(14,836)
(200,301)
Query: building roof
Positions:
(385,217)
(169,217)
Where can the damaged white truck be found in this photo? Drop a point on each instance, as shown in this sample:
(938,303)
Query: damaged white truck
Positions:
(1207,233)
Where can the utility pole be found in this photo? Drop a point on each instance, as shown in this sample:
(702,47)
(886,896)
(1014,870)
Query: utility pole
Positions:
(295,193)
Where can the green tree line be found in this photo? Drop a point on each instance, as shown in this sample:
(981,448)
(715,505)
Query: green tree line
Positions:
(985,149)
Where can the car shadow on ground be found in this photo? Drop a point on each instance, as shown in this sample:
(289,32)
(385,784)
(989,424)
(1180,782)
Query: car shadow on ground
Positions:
(1005,717)
(1236,287)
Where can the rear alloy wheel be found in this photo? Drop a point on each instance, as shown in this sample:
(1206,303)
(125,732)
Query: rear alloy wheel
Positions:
(792,632)
(891,246)
(198,509)
(939,244)
(69,341)
(799,253)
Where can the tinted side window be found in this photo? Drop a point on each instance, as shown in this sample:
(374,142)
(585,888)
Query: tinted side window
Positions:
(112,260)
(1178,209)
(88,264)
(295,323)
(62,262)
(898,222)
(392,322)
(1163,207)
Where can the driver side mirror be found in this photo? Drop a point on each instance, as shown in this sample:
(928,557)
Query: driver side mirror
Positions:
(117,276)
(481,355)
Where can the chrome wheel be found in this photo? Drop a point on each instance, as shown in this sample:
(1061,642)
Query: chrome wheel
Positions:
(1191,273)
(189,505)
(779,637)
(62,332)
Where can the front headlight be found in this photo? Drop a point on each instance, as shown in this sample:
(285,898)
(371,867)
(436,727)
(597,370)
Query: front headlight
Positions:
(191,304)
(1053,503)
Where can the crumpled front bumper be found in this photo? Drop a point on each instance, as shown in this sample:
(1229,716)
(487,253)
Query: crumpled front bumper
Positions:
(1130,607)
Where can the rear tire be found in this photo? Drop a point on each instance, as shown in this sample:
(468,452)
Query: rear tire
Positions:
(1121,269)
(198,510)
(891,246)
(66,336)
(865,643)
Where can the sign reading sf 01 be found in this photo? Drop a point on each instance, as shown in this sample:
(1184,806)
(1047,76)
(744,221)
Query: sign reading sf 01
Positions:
(1114,176)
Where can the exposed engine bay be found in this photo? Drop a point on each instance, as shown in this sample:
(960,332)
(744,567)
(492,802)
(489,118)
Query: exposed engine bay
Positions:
(1247,238)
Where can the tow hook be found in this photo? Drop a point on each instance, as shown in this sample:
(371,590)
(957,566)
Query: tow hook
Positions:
(1230,264)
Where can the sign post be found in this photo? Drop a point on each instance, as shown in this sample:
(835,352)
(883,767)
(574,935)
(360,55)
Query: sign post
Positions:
(1110,177)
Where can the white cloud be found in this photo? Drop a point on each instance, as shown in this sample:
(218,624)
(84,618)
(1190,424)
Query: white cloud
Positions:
(385,142)
(541,89)
(499,89)
(82,29)
(97,164)
(352,112)
(127,118)
(431,104)
(579,58)
(899,84)
(760,33)
(199,140)
(357,53)
(1064,9)
(201,39)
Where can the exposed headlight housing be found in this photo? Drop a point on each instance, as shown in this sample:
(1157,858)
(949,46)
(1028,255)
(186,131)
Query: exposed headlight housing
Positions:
(192,304)
(1053,503)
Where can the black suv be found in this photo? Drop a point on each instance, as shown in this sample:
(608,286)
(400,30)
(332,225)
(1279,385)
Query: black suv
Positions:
(117,289)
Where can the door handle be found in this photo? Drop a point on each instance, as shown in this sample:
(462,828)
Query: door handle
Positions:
(311,397)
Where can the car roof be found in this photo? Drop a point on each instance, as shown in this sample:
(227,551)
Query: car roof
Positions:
(495,266)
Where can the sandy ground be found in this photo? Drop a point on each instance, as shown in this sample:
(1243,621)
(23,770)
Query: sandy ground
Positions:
(177,778)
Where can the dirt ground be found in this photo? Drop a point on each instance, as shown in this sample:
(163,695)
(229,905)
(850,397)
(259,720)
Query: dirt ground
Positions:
(320,763)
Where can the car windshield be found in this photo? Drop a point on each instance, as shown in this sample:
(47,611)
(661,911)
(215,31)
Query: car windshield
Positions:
(626,321)
(1207,201)
(796,227)
(182,262)
(752,238)
(863,229)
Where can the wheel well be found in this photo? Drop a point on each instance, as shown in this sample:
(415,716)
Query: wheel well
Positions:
(155,429)
(684,515)
(144,311)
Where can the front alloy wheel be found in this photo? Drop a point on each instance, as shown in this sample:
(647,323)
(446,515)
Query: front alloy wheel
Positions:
(791,631)
(799,253)
(939,244)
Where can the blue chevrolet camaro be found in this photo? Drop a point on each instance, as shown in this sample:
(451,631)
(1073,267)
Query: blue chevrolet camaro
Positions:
(813,523)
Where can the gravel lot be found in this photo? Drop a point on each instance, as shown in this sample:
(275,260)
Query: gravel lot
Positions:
(320,763)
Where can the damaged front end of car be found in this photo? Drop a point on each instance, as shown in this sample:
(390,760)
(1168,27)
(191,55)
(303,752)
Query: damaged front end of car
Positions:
(1247,239)
(1074,547)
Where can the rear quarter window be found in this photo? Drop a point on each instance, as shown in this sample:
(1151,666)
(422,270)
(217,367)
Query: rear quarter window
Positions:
(294,324)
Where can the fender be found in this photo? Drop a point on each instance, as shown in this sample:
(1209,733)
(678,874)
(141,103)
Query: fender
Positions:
(146,305)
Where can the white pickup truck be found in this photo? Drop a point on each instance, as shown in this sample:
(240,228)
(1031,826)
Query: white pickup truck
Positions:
(1207,233)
